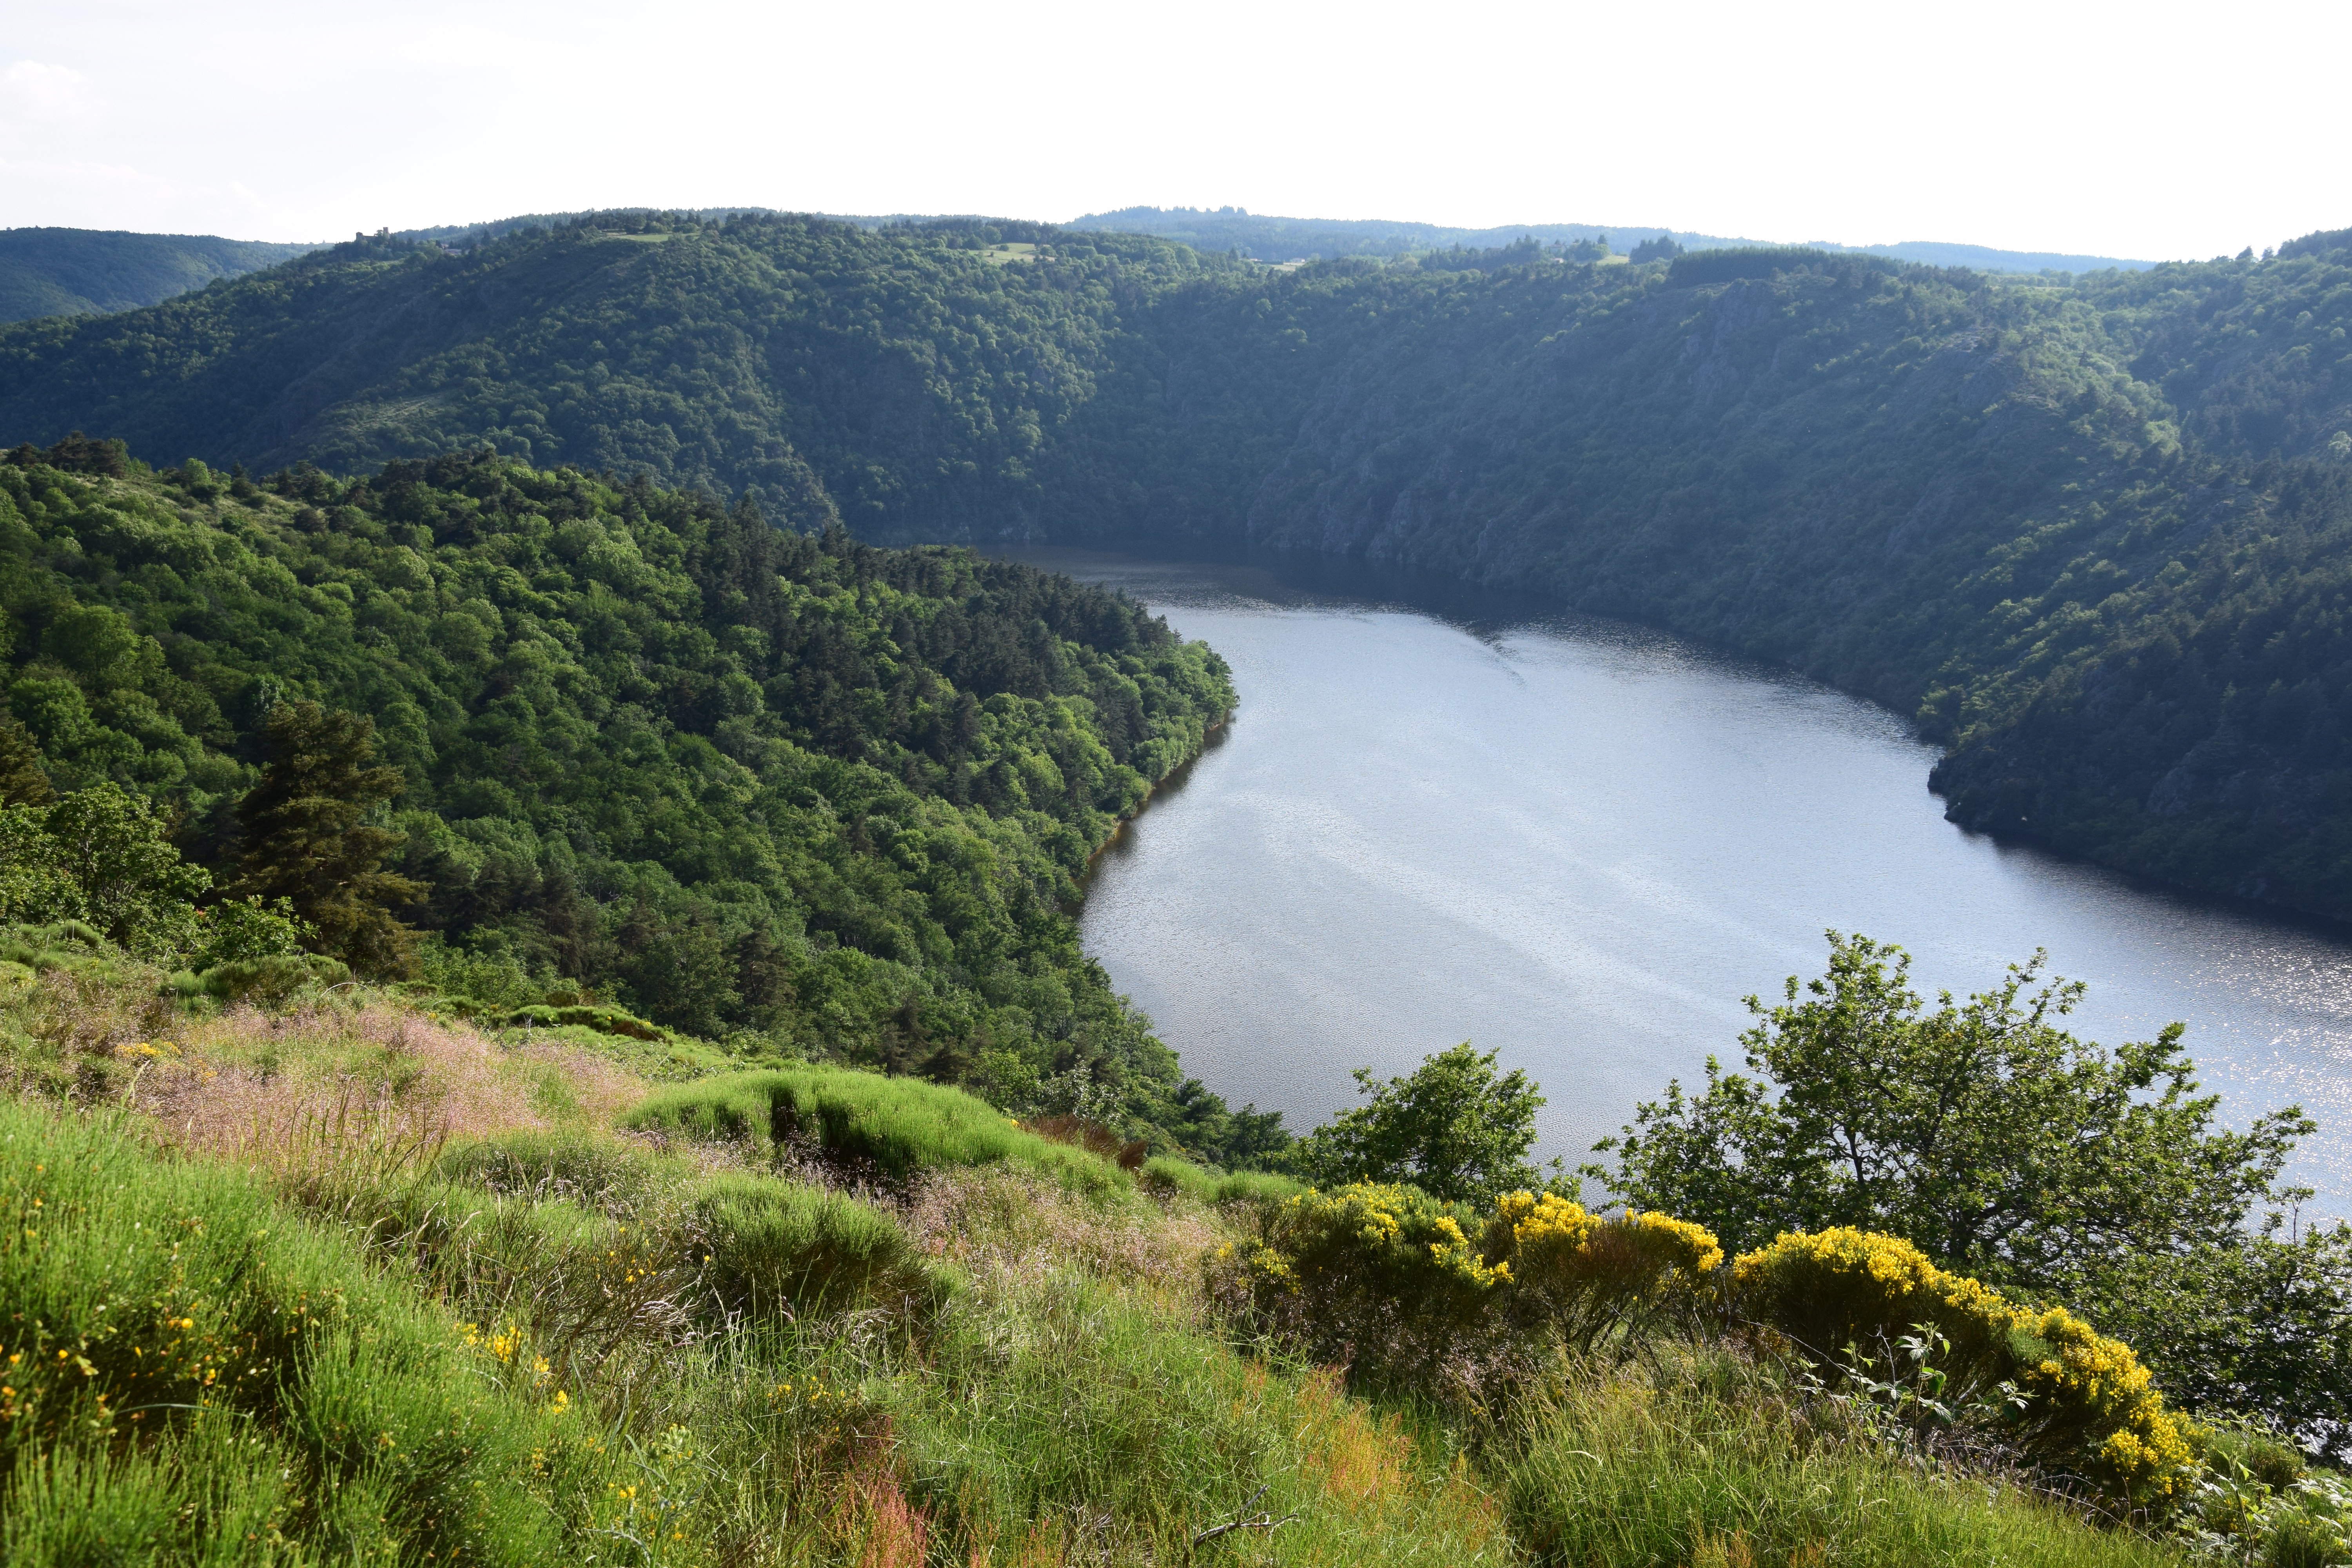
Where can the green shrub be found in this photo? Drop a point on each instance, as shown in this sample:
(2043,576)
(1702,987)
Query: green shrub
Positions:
(268,981)
(2091,1407)
(597,1169)
(781,1248)
(902,1125)
(2304,1540)
(604,1020)
(1167,1177)
(60,944)
(1383,1280)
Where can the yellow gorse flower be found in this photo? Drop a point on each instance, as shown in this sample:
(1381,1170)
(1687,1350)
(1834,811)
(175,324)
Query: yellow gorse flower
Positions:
(2088,1392)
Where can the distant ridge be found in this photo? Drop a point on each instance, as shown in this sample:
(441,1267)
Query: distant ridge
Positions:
(1278,239)
(1269,238)
(96,271)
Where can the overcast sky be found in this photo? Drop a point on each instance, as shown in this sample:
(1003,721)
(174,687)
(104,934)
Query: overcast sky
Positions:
(2137,131)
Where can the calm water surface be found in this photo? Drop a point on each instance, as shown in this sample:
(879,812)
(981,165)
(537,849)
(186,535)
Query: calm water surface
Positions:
(1584,844)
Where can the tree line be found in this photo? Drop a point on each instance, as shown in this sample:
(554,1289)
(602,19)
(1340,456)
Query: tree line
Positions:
(519,732)
(2088,531)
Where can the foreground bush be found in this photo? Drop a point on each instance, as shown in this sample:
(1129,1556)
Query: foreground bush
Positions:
(777,1247)
(2089,1405)
(901,1125)
(1389,1282)
(1381,1279)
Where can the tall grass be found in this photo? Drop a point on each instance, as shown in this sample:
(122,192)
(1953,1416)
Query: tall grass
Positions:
(349,1284)
(1703,1457)
(1071,1420)
(902,1125)
(190,1369)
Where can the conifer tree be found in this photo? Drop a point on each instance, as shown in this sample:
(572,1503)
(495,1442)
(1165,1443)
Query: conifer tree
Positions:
(304,836)
(23,781)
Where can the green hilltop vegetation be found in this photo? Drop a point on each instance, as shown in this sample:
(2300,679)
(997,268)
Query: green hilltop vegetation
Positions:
(87,271)
(1265,237)
(2089,531)
(782,789)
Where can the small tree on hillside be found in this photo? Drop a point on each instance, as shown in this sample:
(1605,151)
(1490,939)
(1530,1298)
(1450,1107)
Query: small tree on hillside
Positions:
(1455,1128)
(1999,1144)
(304,836)
(105,857)
(2004,1147)
(23,780)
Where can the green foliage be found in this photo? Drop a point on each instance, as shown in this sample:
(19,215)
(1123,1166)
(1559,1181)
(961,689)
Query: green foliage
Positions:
(1454,1127)
(2009,1150)
(1980,1130)
(785,791)
(1708,1457)
(243,930)
(305,843)
(102,856)
(2255,1326)
(23,781)
(903,1125)
(189,1366)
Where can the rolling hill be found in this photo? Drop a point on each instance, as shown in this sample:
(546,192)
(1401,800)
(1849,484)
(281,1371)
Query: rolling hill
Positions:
(1268,239)
(86,272)
(2091,532)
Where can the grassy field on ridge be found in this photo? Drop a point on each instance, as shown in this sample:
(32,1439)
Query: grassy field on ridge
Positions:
(354,1280)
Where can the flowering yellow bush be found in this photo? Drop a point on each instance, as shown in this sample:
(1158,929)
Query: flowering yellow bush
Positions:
(1386,1276)
(1582,1275)
(1383,1277)
(2090,1403)
(1390,1280)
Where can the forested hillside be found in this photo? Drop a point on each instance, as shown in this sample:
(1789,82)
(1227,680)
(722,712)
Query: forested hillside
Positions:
(2092,532)
(786,791)
(86,272)
(1267,237)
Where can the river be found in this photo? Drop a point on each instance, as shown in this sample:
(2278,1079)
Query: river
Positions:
(1440,815)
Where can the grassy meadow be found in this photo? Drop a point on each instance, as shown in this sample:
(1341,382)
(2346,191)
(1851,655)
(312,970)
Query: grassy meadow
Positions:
(353,1281)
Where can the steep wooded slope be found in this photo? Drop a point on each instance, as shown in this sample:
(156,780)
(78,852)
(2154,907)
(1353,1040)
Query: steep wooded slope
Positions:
(2090,533)
(793,791)
(87,271)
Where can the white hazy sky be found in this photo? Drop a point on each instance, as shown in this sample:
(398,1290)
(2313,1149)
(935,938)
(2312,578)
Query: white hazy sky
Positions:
(2141,131)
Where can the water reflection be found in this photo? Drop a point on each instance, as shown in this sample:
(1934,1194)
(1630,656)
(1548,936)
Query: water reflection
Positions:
(1442,814)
